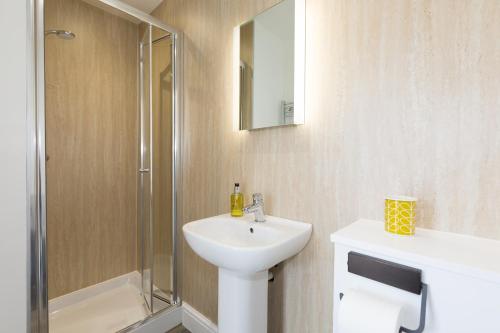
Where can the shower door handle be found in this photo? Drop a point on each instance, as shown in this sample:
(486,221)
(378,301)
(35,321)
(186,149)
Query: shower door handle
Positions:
(143,170)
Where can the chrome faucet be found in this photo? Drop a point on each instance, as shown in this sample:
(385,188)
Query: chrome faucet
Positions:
(257,207)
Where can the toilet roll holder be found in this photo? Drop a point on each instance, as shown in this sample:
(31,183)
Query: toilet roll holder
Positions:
(392,274)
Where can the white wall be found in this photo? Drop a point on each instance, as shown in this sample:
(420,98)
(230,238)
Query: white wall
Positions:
(13,233)
(273,64)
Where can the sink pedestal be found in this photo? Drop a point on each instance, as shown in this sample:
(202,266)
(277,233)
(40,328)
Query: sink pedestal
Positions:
(242,302)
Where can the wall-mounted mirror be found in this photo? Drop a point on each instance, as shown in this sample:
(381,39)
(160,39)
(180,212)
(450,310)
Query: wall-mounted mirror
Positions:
(269,54)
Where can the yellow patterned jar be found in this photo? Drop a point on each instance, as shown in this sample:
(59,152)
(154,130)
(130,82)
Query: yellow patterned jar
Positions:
(400,214)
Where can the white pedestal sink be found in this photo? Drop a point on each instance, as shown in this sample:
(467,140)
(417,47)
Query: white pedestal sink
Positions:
(244,250)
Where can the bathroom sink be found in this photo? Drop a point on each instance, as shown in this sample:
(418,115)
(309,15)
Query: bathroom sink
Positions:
(244,250)
(242,245)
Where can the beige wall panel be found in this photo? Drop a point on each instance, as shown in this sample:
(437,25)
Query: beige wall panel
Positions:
(91,109)
(401,97)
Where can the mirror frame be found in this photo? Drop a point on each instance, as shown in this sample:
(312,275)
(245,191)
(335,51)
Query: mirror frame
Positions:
(299,69)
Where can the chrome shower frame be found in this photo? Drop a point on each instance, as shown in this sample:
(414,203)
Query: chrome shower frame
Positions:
(37,295)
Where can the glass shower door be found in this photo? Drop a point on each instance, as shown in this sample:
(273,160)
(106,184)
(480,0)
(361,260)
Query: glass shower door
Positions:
(145,218)
(156,169)
(156,195)
(163,230)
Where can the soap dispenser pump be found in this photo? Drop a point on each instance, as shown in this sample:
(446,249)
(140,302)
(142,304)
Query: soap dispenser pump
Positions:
(237,201)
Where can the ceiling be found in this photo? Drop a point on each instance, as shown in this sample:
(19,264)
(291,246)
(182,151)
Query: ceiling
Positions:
(146,6)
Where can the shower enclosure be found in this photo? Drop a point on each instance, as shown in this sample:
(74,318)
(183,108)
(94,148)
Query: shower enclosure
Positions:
(104,165)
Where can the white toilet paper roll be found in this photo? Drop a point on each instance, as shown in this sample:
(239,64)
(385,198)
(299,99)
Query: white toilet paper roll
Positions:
(364,313)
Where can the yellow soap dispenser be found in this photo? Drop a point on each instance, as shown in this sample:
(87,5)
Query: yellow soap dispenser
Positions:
(237,201)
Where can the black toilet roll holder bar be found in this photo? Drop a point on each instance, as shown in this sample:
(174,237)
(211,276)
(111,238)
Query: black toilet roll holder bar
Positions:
(392,274)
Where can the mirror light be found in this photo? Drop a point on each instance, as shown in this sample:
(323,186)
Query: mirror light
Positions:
(236,78)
